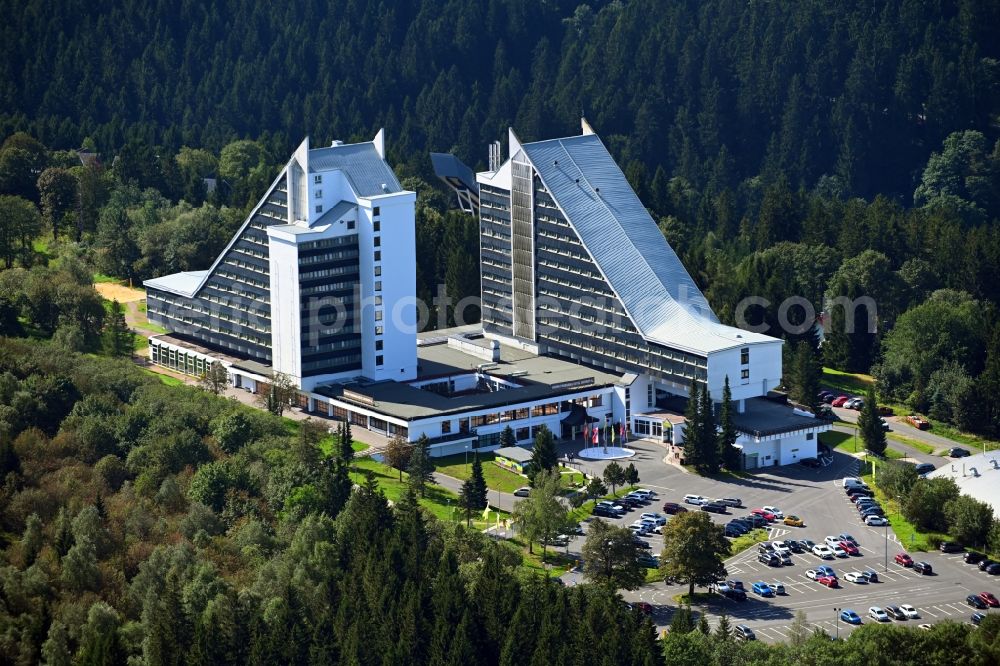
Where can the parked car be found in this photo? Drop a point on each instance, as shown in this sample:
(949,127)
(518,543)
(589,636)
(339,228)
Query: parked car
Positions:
(756,520)
(604,512)
(829,581)
(871,575)
(925,468)
(733,531)
(712,507)
(985,563)
(774,511)
(697,500)
(826,570)
(823,551)
(522,492)
(777,588)
(884,425)
(763,589)
(909,611)
(855,577)
(780,548)
(972,557)
(763,513)
(977,618)
(839,401)
(851,402)
(878,614)
(647,560)
(849,548)
(976,602)
(856,492)
(876,521)
(850,617)
(950,547)
(731,501)
(958,452)
(742,632)
(655,517)
(810,462)
(672,508)
(990,599)
(923,568)
(795,546)
(895,613)
(993,569)
(794,521)
(807,544)
(918,422)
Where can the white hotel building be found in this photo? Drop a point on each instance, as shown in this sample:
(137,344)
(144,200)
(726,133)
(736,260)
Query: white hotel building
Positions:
(588,314)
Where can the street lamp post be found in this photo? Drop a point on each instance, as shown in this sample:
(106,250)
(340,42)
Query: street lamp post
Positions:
(836,616)
(886,526)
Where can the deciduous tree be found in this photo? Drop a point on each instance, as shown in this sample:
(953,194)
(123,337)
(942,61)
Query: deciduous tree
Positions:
(693,550)
(397,454)
(610,557)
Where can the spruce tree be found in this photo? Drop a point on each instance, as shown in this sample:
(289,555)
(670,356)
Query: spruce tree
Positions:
(543,455)
(870,425)
(507,437)
(682,622)
(118,337)
(723,631)
(421,467)
(693,449)
(346,443)
(709,450)
(631,475)
(479,488)
(729,455)
(703,626)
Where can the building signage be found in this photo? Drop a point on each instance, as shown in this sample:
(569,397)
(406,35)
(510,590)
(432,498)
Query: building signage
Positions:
(576,383)
(359,398)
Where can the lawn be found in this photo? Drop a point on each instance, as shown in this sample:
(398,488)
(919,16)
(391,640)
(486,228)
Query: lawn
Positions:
(326,445)
(497,478)
(907,533)
(951,432)
(846,382)
(438,501)
(100,277)
(923,447)
(166,379)
(840,441)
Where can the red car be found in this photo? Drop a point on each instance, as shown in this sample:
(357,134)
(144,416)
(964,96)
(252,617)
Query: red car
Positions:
(904,559)
(829,581)
(989,599)
(840,400)
(645,608)
(766,515)
(849,548)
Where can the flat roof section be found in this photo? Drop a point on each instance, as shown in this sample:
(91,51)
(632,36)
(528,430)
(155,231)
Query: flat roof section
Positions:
(539,377)
(515,453)
(197,346)
(764,417)
(977,476)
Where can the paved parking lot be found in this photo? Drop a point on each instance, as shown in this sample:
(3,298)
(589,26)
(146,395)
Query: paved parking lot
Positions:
(816,496)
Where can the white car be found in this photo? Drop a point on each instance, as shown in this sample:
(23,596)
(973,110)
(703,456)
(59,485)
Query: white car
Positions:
(780,548)
(876,521)
(856,577)
(878,614)
(697,500)
(658,529)
(648,494)
(522,492)
(838,551)
(822,552)
(639,528)
(655,517)
(832,541)
(778,515)
(909,611)
(812,574)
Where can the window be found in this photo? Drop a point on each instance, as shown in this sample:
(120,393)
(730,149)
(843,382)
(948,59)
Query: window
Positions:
(319,209)
(378,300)
(463,425)
(317,179)
(376,210)
(378,225)
(378,360)
(809,435)
(744,356)
(378,315)
(521,434)
(378,330)
(650,395)
(378,271)
(378,255)
(445,427)
(319,194)
(378,241)
(378,285)
(350,224)
(378,345)
(745,374)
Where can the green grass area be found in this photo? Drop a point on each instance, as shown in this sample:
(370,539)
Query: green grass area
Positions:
(556,562)
(908,534)
(951,432)
(586,510)
(923,447)
(696,598)
(101,277)
(169,381)
(497,478)
(326,445)
(839,441)
(140,344)
(440,502)
(845,382)
(893,454)
(141,307)
(748,540)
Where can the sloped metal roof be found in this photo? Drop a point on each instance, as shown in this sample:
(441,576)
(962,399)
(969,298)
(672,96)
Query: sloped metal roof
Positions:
(362,165)
(655,289)
(182,284)
(335,213)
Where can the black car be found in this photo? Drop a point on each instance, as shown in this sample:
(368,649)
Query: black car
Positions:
(714,507)
(923,568)
(737,525)
(732,531)
(925,468)
(974,601)
(673,507)
(604,512)
(871,575)
(810,462)
(958,452)
(874,510)
(765,548)
(858,492)
(742,522)
(795,546)
(977,618)
(648,561)
(985,563)
(972,557)
(770,559)
(950,547)
(755,520)
(993,569)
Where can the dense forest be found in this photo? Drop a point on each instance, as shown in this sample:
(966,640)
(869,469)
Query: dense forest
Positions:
(147,524)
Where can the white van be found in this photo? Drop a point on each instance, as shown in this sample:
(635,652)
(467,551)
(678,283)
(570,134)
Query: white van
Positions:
(854,482)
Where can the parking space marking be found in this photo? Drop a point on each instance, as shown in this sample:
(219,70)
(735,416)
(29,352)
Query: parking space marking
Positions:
(928,610)
(957,609)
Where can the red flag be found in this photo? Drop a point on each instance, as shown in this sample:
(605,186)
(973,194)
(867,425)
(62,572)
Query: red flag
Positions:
(586,432)
(596,435)
(621,430)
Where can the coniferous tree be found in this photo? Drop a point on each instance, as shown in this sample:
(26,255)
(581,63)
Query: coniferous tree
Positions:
(724,630)
(729,455)
(479,489)
(682,622)
(806,374)
(631,475)
(693,430)
(543,455)
(346,443)
(703,626)
(118,336)
(507,437)
(870,425)
(709,434)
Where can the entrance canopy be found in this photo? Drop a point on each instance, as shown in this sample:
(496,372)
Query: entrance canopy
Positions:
(577,417)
